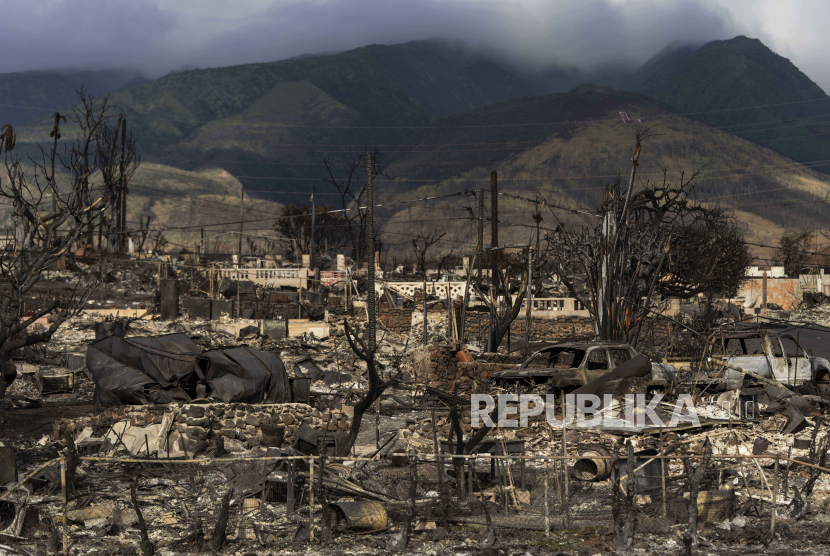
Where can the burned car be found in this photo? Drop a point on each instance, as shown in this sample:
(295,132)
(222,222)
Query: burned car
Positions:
(774,356)
(571,365)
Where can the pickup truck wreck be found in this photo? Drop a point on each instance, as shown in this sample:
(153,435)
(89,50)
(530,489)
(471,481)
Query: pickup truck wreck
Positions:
(774,356)
(571,365)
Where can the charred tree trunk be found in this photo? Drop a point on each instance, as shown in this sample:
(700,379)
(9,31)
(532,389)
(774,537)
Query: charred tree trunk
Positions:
(376,388)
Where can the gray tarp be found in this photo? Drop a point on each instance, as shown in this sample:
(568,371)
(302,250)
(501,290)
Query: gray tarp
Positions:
(142,370)
(244,374)
(161,369)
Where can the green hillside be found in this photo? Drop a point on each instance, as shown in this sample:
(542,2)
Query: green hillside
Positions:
(32,95)
(181,202)
(570,163)
(270,123)
(729,76)
(406,84)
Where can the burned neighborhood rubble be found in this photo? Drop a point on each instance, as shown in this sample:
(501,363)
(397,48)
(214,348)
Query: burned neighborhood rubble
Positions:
(194,404)
(212,432)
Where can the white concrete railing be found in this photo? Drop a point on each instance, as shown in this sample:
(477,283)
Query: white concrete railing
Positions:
(438,289)
(272,277)
(541,306)
(555,306)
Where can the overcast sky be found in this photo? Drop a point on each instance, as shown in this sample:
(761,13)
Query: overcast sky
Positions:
(159,35)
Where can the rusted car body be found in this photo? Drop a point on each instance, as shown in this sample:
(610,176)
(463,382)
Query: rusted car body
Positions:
(570,365)
(773,356)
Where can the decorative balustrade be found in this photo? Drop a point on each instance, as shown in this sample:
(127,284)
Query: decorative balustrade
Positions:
(271,277)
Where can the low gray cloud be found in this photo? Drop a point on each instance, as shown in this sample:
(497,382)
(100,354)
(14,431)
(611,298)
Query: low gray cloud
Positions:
(84,33)
(157,36)
(536,32)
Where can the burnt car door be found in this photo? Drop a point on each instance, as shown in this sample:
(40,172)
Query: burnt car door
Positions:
(620,355)
(597,363)
(799,370)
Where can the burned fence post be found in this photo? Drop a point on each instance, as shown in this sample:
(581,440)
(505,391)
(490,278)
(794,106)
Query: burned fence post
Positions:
(616,514)
(147,548)
(695,476)
(311,498)
(398,541)
(490,540)
(217,540)
(289,487)
(325,520)
(547,501)
(663,470)
(774,499)
(63,508)
(630,494)
(565,462)
(438,461)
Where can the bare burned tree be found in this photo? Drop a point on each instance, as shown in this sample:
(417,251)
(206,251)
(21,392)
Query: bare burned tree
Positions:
(88,116)
(143,233)
(117,168)
(352,190)
(643,246)
(445,260)
(793,251)
(331,229)
(376,387)
(421,244)
(510,281)
(41,236)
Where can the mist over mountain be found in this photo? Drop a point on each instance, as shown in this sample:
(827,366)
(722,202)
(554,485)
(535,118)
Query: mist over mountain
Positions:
(719,81)
(442,114)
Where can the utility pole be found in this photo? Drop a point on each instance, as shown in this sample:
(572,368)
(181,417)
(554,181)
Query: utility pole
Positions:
(480,230)
(425,302)
(494,253)
(122,239)
(311,245)
(241,218)
(529,297)
(494,224)
(370,252)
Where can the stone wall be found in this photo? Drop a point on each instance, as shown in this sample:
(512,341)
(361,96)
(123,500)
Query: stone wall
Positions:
(553,329)
(443,365)
(446,370)
(395,319)
(196,425)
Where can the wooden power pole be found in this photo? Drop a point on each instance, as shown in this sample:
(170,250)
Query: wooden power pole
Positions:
(122,224)
(370,252)
(241,219)
(494,220)
(480,230)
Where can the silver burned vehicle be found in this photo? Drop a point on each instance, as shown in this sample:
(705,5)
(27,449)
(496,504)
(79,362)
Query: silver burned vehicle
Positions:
(773,356)
(571,365)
